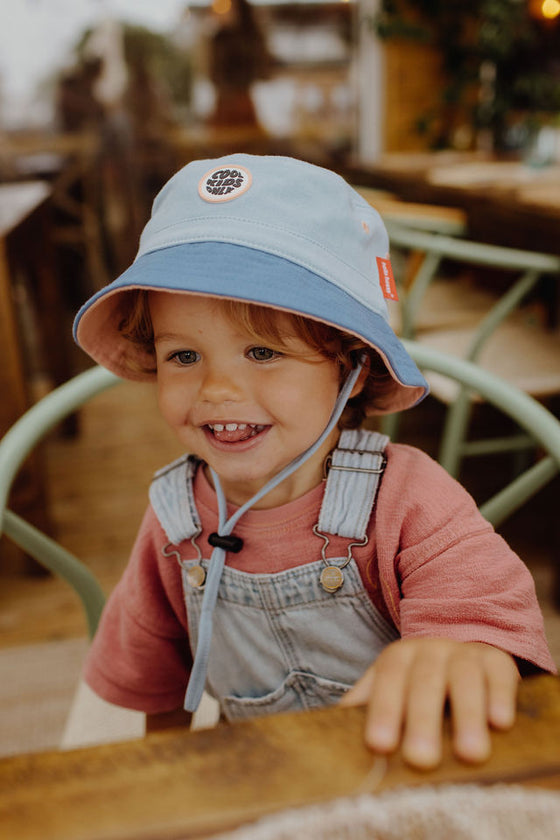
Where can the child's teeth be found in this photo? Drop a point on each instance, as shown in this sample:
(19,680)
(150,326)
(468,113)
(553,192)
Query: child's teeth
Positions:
(234,427)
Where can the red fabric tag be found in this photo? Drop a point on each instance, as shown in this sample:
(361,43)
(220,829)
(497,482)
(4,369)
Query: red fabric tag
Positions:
(386,279)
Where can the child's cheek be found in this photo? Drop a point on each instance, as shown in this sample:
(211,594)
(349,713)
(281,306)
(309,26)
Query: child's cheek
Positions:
(172,404)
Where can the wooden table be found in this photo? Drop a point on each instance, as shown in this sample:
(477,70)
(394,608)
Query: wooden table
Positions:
(26,249)
(506,201)
(180,784)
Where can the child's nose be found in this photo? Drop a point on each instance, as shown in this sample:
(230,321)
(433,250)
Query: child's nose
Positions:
(220,386)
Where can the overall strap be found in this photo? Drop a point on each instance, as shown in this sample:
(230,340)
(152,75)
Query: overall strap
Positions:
(355,468)
(172,498)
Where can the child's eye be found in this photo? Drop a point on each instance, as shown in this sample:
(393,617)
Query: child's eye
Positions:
(185,357)
(262,354)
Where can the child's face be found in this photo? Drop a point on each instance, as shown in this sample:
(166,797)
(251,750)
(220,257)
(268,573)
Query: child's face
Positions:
(245,409)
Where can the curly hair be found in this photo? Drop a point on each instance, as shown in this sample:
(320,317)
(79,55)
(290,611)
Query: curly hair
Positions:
(262,323)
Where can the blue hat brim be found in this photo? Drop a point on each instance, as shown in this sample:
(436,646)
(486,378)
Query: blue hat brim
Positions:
(221,269)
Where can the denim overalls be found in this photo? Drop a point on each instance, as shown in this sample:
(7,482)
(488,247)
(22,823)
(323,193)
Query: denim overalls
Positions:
(297,639)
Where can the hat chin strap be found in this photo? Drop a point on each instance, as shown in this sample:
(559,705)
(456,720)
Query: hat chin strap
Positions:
(225,527)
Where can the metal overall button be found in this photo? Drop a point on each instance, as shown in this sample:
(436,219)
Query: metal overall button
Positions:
(196,574)
(332,576)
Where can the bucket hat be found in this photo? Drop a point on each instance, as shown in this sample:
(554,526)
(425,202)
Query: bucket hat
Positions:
(270,230)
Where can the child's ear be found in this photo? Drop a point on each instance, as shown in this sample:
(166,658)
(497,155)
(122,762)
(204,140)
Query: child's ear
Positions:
(360,382)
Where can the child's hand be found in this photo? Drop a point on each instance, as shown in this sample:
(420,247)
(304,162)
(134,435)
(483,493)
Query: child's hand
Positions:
(406,689)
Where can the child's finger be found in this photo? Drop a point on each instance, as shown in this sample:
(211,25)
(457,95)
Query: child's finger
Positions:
(503,681)
(387,699)
(427,688)
(468,695)
(360,692)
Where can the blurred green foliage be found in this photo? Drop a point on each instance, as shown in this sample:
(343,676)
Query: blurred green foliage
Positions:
(522,53)
(158,56)
(162,58)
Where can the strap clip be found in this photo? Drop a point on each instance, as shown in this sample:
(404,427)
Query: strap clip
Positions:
(229,542)
(328,464)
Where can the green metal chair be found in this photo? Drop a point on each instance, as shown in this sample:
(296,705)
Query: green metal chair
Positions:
(15,446)
(32,427)
(497,332)
(530,415)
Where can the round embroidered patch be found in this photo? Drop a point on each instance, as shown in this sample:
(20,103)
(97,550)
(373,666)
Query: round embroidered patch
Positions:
(224,183)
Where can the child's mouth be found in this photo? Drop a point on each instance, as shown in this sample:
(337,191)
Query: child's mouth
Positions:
(234,432)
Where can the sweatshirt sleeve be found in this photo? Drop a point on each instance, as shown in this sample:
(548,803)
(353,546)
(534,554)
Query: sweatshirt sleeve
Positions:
(140,656)
(444,571)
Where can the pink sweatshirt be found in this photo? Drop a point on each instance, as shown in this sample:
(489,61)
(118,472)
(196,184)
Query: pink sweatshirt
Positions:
(433,566)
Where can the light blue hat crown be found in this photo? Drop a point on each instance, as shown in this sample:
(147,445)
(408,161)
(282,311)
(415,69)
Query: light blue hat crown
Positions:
(268,230)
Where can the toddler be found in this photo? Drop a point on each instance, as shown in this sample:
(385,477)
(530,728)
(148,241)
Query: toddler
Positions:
(293,559)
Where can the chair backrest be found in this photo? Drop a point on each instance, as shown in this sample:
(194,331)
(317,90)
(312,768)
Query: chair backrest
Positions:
(15,446)
(41,418)
(529,414)
(529,266)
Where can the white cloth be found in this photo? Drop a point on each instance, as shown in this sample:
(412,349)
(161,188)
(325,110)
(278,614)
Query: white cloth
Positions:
(460,812)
